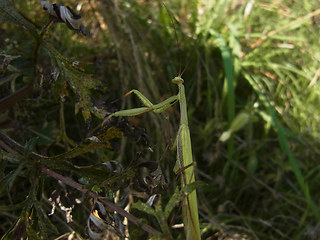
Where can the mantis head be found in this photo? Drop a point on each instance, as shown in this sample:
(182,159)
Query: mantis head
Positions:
(177,80)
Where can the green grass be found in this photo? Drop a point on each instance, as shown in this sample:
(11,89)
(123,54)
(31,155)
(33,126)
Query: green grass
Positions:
(262,61)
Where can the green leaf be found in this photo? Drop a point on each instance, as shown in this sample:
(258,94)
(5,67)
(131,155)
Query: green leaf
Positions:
(192,186)
(144,208)
(80,83)
(96,189)
(10,157)
(175,199)
(7,182)
(285,146)
(30,145)
(178,196)
(100,141)
(238,122)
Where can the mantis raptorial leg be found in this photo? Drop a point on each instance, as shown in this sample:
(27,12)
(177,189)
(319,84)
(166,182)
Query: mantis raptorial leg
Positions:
(184,151)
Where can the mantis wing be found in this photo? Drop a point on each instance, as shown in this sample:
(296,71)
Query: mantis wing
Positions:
(189,203)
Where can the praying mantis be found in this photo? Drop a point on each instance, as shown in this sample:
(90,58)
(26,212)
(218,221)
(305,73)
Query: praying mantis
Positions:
(182,143)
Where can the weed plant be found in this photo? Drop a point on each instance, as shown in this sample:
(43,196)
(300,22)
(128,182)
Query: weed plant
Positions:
(251,71)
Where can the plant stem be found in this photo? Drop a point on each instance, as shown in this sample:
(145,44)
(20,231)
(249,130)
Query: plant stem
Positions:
(8,141)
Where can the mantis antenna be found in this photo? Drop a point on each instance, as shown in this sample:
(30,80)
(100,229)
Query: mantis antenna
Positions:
(176,38)
(184,162)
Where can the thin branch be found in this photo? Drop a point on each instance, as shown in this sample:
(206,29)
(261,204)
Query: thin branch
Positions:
(110,205)
(8,149)
(15,97)
(78,186)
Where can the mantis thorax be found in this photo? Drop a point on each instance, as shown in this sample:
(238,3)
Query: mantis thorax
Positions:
(177,80)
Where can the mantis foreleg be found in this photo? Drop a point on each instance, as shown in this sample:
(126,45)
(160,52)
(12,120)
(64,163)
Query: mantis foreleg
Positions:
(157,108)
(184,152)
(149,106)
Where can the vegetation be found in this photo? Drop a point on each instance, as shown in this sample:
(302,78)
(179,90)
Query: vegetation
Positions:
(250,71)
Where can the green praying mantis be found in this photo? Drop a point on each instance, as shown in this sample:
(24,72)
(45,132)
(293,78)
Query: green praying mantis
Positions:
(184,151)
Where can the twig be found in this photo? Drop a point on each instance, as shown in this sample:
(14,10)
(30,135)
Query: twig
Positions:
(18,95)
(110,205)
(8,149)
(76,185)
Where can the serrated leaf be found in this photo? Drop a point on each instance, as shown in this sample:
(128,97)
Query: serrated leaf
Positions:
(7,181)
(144,208)
(88,144)
(80,83)
(96,189)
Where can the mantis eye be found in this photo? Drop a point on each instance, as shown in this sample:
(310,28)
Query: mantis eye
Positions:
(177,80)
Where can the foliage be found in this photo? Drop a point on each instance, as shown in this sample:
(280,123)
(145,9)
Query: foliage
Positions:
(250,70)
